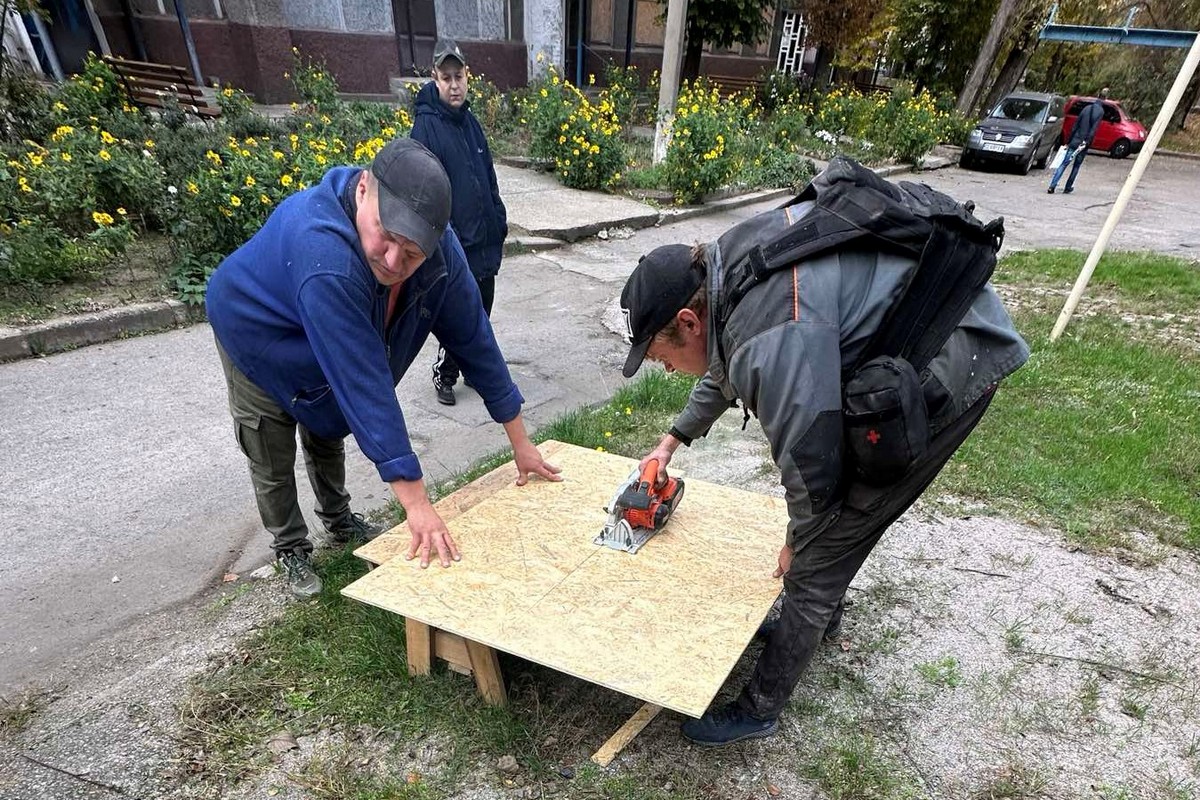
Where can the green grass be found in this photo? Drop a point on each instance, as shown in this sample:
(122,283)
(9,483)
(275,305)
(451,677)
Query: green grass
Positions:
(943,672)
(1161,283)
(17,712)
(1098,434)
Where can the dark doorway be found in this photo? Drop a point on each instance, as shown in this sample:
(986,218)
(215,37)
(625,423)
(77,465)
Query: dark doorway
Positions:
(70,32)
(415,23)
(576,51)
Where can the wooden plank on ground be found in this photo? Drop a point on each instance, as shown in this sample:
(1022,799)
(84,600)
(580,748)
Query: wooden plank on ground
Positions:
(395,542)
(666,625)
(626,734)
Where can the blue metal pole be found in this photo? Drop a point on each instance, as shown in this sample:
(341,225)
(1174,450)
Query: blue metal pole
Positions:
(187,40)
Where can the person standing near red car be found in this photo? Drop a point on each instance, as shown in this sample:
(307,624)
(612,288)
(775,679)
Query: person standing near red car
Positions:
(1081,139)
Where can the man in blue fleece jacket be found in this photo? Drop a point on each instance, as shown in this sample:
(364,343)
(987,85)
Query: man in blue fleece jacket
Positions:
(317,318)
(447,127)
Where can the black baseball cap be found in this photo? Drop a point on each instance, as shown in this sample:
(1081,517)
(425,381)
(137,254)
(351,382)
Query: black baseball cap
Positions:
(661,285)
(447,48)
(414,192)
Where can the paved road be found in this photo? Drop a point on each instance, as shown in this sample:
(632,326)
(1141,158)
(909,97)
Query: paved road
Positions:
(1164,214)
(120,463)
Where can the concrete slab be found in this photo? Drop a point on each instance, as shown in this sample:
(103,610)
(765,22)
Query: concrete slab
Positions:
(539,204)
(470,411)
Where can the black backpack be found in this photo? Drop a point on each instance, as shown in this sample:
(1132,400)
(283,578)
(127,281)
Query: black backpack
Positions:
(884,413)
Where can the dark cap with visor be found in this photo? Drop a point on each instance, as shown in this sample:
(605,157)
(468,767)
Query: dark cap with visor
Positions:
(414,193)
(661,285)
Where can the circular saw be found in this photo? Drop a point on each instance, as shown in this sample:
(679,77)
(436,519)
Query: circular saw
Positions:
(640,508)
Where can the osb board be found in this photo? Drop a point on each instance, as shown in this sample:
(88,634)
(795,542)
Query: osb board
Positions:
(395,542)
(666,625)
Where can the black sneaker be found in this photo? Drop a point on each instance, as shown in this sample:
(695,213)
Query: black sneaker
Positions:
(303,580)
(726,725)
(445,394)
(1050,190)
(353,528)
(1068,190)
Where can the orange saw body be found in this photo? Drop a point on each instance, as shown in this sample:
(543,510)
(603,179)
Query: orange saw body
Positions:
(640,508)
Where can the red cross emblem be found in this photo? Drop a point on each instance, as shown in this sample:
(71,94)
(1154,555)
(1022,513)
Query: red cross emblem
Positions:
(873,436)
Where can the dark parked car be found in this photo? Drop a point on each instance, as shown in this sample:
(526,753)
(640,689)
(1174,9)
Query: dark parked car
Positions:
(1021,131)
(1119,134)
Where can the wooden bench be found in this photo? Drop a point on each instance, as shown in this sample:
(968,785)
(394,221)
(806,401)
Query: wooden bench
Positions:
(154,86)
(732,84)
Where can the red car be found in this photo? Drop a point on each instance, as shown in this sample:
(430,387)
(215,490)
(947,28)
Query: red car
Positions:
(1119,133)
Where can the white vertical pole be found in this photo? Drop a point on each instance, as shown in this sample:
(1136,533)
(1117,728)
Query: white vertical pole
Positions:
(1143,160)
(668,78)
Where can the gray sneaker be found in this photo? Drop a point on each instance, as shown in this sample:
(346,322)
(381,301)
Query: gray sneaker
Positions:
(302,579)
(353,528)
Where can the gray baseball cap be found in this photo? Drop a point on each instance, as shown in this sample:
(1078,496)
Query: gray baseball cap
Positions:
(447,48)
(414,192)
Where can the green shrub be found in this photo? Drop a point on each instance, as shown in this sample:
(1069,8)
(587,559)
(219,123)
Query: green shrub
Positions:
(234,103)
(24,106)
(314,83)
(582,138)
(91,93)
(35,253)
(491,107)
(777,168)
(780,89)
(700,157)
(85,170)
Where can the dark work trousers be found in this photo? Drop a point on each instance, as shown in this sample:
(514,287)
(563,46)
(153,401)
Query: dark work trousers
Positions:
(445,369)
(266,435)
(822,570)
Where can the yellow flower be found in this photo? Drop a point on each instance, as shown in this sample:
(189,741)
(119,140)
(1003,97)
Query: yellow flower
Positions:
(600,450)
(286,180)
(608,434)
(107,137)
(35,159)
(226,211)
(227,91)
(628,410)
(325,119)
(104,156)
(250,180)
(234,200)
(543,92)
(213,157)
(121,211)
(278,155)
(266,201)
(102,219)
(66,157)
(320,159)
(24,184)
(60,107)
(149,143)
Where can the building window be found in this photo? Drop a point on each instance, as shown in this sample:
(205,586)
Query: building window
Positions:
(791,43)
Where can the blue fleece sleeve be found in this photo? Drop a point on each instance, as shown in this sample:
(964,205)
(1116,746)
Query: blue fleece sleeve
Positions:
(336,318)
(463,328)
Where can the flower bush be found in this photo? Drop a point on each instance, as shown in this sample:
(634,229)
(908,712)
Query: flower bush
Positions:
(582,138)
(314,83)
(700,157)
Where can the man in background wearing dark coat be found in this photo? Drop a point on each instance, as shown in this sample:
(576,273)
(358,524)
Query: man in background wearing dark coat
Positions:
(1082,136)
(446,126)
